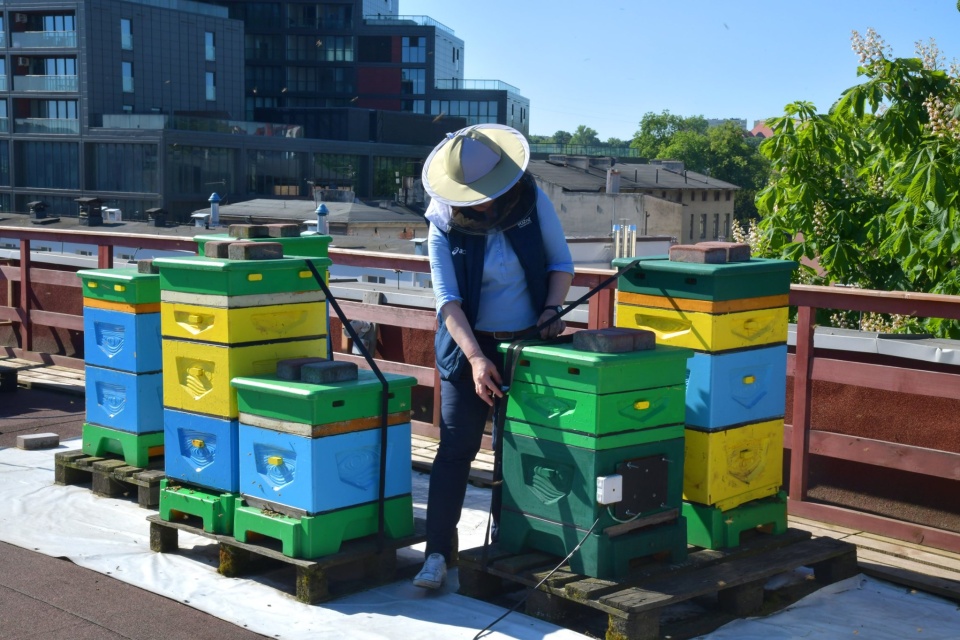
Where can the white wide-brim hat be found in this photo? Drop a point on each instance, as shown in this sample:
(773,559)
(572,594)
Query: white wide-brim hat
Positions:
(476,164)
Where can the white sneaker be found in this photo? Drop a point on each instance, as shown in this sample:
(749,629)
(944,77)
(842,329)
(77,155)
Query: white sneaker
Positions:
(433,574)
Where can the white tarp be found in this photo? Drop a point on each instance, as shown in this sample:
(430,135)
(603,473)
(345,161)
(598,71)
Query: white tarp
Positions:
(112,537)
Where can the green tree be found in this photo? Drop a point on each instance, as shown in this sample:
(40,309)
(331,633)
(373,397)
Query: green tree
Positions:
(870,190)
(657,130)
(616,142)
(585,135)
(562,137)
(733,157)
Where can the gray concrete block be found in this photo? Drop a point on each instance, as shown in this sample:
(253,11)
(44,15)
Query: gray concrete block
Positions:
(217,248)
(328,371)
(290,369)
(255,251)
(697,254)
(736,251)
(614,340)
(283,230)
(147,266)
(38,441)
(244,231)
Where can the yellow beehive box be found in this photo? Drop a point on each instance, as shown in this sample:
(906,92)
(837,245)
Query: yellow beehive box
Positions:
(196,376)
(705,331)
(247,324)
(706,306)
(730,467)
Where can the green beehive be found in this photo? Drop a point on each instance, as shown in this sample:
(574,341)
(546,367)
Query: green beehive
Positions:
(562,366)
(592,441)
(557,482)
(217,276)
(312,246)
(659,276)
(127,286)
(317,404)
(593,414)
(601,555)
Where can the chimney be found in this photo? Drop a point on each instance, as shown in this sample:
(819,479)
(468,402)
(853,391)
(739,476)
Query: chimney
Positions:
(214,201)
(613,181)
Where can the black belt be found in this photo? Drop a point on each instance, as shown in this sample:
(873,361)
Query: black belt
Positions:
(505,335)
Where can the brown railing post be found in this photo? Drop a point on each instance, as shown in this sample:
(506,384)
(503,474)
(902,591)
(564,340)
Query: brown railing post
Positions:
(802,389)
(600,310)
(26,292)
(105,256)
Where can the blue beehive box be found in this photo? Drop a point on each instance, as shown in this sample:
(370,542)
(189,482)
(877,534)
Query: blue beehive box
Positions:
(315,475)
(124,341)
(124,401)
(201,450)
(736,388)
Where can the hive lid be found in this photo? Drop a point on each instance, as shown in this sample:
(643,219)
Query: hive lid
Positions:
(365,379)
(663,264)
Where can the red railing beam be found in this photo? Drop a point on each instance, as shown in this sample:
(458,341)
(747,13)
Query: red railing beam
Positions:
(802,389)
(26,292)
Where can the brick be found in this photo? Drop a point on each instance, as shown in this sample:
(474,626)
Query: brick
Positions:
(255,251)
(147,266)
(38,441)
(736,251)
(290,369)
(328,371)
(217,248)
(244,231)
(614,340)
(697,254)
(283,230)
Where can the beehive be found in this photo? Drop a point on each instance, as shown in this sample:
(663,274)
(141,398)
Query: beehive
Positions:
(201,450)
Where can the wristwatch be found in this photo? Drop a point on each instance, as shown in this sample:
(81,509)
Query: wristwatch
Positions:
(558,309)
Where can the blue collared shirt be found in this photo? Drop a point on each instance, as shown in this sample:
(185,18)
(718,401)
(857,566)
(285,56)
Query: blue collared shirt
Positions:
(504,302)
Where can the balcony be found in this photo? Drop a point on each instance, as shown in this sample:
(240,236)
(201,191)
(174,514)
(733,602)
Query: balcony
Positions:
(485,85)
(55,126)
(4,125)
(3,81)
(126,41)
(392,21)
(44,40)
(127,84)
(53,84)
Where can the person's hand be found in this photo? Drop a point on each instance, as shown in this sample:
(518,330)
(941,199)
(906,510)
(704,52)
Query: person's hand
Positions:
(555,328)
(486,379)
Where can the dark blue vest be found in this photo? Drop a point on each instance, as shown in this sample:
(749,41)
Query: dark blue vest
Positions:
(467,252)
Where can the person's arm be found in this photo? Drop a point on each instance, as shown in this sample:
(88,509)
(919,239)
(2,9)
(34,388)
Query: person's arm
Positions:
(559,264)
(486,378)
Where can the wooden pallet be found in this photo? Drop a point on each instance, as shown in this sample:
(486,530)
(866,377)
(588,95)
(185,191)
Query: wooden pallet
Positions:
(111,477)
(357,566)
(633,605)
(54,378)
(424,450)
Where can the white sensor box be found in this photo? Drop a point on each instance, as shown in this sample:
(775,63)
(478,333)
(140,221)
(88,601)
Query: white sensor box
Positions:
(609,489)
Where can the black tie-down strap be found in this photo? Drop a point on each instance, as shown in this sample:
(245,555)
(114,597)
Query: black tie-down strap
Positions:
(384,398)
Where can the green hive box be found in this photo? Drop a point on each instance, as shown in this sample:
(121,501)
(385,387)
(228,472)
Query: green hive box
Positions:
(317,404)
(562,366)
(216,276)
(121,285)
(601,556)
(312,246)
(659,276)
(591,441)
(596,414)
(558,482)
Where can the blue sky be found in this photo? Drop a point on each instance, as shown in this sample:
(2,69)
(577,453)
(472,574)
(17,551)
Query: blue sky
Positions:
(605,63)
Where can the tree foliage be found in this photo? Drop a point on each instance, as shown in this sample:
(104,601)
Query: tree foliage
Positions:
(585,135)
(723,152)
(869,190)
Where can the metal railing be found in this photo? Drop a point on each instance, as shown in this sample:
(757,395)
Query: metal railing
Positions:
(58,126)
(45,83)
(423,21)
(44,39)
(489,85)
(805,365)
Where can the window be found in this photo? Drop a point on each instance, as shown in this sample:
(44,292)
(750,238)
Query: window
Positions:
(126,34)
(703,224)
(126,73)
(726,226)
(414,49)
(414,106)
(703,196)
(716,224)
(691,226)
(209,44)
(211,84)
(728,196)
(413,81)
(716,196)
(693,196)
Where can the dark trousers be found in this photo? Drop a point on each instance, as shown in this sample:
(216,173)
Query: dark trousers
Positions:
(463,416)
